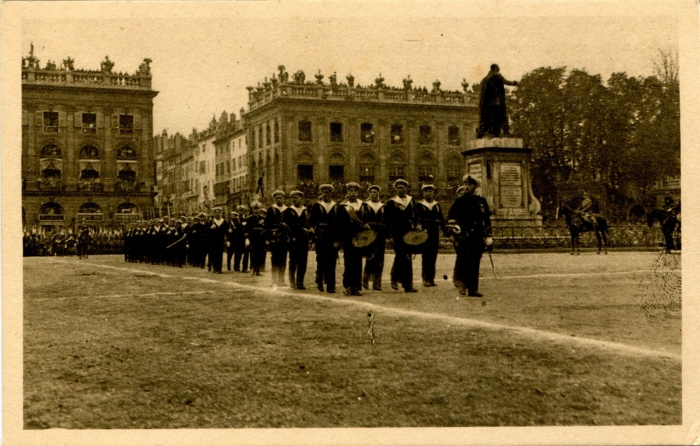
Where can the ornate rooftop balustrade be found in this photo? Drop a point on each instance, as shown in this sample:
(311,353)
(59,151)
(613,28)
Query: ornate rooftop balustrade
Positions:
(267,92)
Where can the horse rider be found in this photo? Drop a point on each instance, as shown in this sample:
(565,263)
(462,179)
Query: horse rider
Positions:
(586,209)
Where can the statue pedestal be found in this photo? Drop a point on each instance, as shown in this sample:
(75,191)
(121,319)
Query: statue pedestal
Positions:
(502,166)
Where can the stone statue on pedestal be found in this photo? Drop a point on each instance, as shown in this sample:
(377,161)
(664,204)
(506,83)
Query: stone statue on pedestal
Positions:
(493,119)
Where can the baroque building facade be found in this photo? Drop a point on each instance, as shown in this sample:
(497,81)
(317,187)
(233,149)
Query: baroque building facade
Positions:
(87,146)
(301,133)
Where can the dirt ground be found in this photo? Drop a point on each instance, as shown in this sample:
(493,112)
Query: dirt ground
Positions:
(557,340)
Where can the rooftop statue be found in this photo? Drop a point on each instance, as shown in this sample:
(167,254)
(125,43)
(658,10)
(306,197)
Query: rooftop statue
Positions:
(493,119)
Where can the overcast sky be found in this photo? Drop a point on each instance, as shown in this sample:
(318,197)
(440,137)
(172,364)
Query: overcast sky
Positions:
(205,54)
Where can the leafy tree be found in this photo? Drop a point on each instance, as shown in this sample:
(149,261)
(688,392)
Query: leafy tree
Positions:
(618,138)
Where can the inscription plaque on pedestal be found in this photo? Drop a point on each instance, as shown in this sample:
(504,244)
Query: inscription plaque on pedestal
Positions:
(510,180)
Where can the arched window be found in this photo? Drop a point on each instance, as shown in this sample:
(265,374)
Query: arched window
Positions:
(50,151)
(127,208)
(453,171)
(367,169)
(336,167)
(396,168)
(89,152)
(90,208)
(126,152)
(425,169)
(51,208)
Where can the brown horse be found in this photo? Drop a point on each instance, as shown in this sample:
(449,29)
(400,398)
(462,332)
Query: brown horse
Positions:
(577,225)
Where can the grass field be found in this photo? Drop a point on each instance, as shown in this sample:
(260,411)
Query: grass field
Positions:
(557,340)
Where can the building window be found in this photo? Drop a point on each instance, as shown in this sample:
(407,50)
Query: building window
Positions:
(260,138)
(396,134)
(366,173)
(425,174)
(228,166)
(277,132)
(252,136)
(396,171)
(202,167)
(424,136)
(89,152)
(366,133)
(453,136)
(89,123)
(336,132)
(336,173)
(304,130)
(126,152)
(305,172)
(268,135)
(454,172)
(50,122)
(126,124)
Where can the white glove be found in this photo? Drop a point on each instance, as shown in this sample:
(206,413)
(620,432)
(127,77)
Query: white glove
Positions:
(489,241)
(228,244)
(247,243)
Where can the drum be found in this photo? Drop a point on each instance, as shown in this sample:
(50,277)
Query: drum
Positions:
(415,240)
(364,240)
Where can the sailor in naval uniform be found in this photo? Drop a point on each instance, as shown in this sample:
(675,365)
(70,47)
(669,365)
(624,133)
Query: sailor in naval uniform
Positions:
(433,221)
(400,218)
(373,209)
(296,218)
(349,222)
(322,221)
(277,237)
(215,238)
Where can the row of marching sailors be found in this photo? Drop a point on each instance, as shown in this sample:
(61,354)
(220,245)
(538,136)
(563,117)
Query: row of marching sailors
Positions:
(360,229)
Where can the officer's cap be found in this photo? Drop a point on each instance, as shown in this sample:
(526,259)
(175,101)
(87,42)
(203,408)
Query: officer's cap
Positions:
(400,181)
(326,187)
(352,184)
(470,180)
(296,193)
(374,187)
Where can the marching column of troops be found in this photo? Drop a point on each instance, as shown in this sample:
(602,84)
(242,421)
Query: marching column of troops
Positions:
(359,228)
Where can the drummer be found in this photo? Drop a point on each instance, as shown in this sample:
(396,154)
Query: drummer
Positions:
(430,215)
(400,218)
(374,266)
(350,220)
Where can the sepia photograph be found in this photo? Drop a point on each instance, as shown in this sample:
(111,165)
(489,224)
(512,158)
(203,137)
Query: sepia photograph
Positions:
(324,222)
